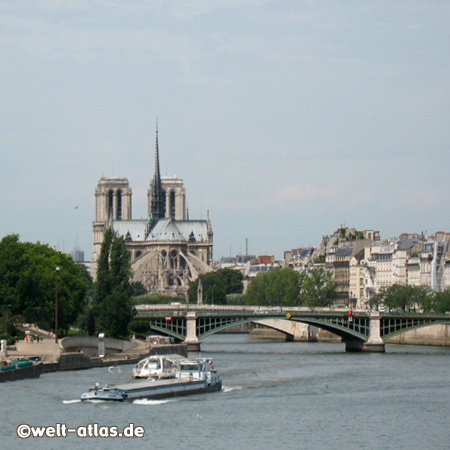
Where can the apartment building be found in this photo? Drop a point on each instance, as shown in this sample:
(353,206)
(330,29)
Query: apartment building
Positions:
(362,264)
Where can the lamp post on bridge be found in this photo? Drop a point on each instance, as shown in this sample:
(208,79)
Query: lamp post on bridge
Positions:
(57,268)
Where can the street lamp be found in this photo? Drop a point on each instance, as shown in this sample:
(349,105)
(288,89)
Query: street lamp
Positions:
(56,304)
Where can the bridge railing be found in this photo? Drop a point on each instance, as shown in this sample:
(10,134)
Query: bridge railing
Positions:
(195,307)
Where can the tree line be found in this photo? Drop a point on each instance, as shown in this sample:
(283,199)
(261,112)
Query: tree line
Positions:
(403,298)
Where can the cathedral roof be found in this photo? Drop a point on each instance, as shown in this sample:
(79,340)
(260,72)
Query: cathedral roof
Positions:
(198,227)
(135,229)
(165,230)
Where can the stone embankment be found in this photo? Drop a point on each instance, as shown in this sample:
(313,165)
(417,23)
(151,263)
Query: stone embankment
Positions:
(54,357)
(434,335)
(437,335)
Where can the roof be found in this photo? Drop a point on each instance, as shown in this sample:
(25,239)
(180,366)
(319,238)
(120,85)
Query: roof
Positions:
(165,229)
(407,244)
(381,256)
(136,228)
(344,251)
(198,227)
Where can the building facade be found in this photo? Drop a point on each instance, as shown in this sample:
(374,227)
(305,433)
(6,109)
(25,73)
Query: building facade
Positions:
(362,264)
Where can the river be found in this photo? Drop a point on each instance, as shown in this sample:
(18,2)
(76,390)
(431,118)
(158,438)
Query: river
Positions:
(276,395)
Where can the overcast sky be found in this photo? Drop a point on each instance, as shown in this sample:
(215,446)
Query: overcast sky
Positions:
(285,119)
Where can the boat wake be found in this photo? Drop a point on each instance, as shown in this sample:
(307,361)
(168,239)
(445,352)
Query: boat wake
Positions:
(69,402)
(114,369)
(148,402)
(226,389)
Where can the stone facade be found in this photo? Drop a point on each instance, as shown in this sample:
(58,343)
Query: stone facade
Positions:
(362,264)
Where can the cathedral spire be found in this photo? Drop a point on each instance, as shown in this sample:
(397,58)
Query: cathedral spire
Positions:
(157,211)
(157,175)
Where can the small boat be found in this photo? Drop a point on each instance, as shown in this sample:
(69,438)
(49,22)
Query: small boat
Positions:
(157,366)
(21,369)
(191,377)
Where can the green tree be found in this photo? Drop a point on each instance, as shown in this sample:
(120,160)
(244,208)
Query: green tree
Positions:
(213,292)
(438,302)
(138,289)
(375,301)
(236,299)
(317,288)
(8,323)
(257,289)
(277,287)
(398,296)
(231,281)
(28,281)
(112,301)
(217,285)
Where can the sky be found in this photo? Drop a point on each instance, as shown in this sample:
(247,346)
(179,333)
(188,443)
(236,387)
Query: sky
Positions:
(285,119)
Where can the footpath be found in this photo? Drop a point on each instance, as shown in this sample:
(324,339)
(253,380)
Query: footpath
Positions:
(46,349)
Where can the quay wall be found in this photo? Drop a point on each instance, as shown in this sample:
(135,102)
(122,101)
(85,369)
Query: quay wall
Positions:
(438,335)
(434,335)
(78,361)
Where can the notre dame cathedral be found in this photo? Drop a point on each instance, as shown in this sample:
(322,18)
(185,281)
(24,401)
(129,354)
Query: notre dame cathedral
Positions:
(167,249)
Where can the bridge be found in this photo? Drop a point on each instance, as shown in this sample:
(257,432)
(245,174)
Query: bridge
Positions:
(361,331)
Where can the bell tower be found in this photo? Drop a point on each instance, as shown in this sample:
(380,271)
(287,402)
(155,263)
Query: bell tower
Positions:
(112,202)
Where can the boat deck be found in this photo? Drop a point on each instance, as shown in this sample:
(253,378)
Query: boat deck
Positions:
(145,385)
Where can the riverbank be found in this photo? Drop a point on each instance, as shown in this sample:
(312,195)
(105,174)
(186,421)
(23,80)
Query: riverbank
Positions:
(53,359)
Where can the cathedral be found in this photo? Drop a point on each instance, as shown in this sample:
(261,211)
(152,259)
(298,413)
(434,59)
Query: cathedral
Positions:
(167,249)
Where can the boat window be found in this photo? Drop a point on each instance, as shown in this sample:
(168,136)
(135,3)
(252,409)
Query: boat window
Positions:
(152,365)
(191,367)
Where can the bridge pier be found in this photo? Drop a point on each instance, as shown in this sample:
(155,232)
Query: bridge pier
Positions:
(374,343)
(301,333)
(191,340)
(360,346)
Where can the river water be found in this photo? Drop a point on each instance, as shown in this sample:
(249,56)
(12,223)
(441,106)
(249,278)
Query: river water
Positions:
(276,395)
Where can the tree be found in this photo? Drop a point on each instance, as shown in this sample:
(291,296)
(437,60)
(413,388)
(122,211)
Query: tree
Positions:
(112,301)
(28,282)
(437,301)
(138,289)
(213,292)
(231,281)
(398,296)
(317,288)
(277,287)
(375,300)
(256,290)
(217,285)
(8,323)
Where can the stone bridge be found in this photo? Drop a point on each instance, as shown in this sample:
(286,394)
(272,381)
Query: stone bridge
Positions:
(360,331)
